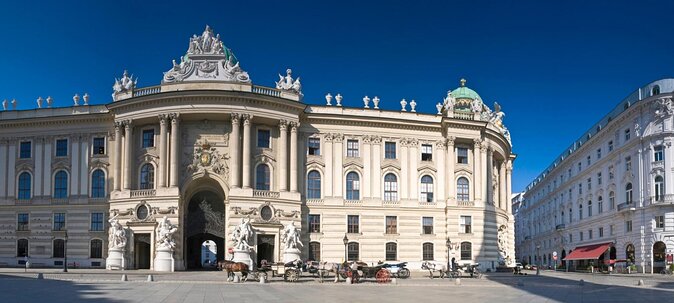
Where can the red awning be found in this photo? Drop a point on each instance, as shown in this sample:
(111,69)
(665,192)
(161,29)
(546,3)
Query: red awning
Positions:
(589,252)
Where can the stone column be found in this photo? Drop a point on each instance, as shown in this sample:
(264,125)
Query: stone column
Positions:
(74,164)
(246,155)
(3,167)
(283,155)
(376,167)
(451,161)
(328,158)
(477,168)
(404,168)
(503,199)
(439,189)
(128,157)
(175,148)
(117,181)
(234,140)
(485,176)
(337,169)
(84,165)
(294,126)
(413,177)
(11,167)
(46,183)
(37,188)
(367,167)
(163,132)
(509,180)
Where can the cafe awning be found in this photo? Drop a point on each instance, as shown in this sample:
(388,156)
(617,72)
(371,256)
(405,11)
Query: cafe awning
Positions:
(588,252)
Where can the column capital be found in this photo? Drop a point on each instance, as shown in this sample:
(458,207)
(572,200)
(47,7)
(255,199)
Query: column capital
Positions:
(338,138)
(235,118)
(246,118)
(376,139)
(163,118)
(127,124)
(441,144)
(327,137)
(367,139)
(477,142)
(175,117)
(294,126)
(283,125)
(450,141)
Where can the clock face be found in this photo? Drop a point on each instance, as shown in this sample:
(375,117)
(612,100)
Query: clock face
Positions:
(205,158)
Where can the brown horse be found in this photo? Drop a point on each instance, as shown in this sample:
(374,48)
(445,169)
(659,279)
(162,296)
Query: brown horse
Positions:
(231,267)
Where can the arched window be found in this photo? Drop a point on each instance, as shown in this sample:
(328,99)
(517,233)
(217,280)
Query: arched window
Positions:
(147,176)
(426,189)
(314,185)
(466,251)
(600,205)
(655,90)
(352,186)
(659,188)
(353,251)
(629,253)
(628,193)
(580,211)
(61,184)
(390,187)
(589,208)
(98,184)
(58,250)
(462,189)
(315,251)
(262,177)
(24,186)
(391,251)
(96,250)
(611,200)
(22,247)
(427,252)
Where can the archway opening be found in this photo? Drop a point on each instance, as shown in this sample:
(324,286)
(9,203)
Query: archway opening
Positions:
(659,257)
(629,254)
(204,224)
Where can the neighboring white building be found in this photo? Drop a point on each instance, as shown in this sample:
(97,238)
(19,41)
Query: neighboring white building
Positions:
(609,195)
(207,148)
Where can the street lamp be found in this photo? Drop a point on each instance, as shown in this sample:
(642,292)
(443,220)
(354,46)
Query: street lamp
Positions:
(449,246)
(65,252)
(346,242)
(538,259)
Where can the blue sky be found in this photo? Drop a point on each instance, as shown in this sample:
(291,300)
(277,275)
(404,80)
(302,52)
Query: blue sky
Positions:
(556,67)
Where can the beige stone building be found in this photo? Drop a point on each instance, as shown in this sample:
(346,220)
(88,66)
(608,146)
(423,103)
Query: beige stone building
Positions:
(207,148)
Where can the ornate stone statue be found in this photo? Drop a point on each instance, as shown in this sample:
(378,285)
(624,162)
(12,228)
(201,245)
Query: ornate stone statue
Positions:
(413,105)
(503,257)
(497,116)
(663,107)
(376,102)
(117,234)
(124,84)
(448,102)
(291,236)
(39,102)
(242,235)
(4,104)
(287,83)
(476,105)
(165,232)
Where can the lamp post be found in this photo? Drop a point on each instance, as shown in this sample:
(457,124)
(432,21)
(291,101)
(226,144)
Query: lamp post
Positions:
(449,247)
(65,252)
(538,259)
(346,242)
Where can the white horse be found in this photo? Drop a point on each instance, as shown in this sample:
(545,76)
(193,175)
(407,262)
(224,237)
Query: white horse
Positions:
(325,268)
(433,267)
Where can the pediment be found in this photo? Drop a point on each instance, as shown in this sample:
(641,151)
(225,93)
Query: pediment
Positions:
(351,162)
(391,165)
(315,160)
(427,167)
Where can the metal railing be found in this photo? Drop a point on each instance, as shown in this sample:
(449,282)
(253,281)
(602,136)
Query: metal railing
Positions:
(662,199)
(143,193)
(626,206)
(265,194)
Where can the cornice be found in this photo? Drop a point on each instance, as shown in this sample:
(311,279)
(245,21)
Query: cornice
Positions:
(58,120)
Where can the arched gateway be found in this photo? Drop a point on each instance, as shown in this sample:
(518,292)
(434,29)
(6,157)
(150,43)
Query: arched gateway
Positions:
(203,220)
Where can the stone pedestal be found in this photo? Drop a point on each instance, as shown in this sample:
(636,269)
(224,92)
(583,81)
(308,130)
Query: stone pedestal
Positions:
(115,259)
(163,260)
(243,256)
(292,254)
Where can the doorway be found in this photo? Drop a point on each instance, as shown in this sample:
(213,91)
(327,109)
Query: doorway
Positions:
(205,222)
(265,248)
(141,247)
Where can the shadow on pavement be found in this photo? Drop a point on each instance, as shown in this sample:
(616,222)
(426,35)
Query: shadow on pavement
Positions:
(25,288)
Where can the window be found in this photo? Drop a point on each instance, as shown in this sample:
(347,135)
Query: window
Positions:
(466,251)
(147,176)
(98,184)
(314,185)
(391,251)
(601,232)
(148,138)
(426,189)
(589,184)
(427,252)
(352,186)
(655,90)
(353,225)
(24,186)
(610,146)
(23,222)
(315,251)
(314,223)
(462,189)
(426,152)
(427,225)
(657,153)
(22,247)
(61,185)
(314,146)
(589,234)
(59,221)
(627,135)
(96,251)
(589,208)
(465,224)
(580,189)
(25,150)
(390,150)
(599,178)
(99,146)
(628,226)
(352,251)
(589,160)
(570,215)
(598,153)
(600,205)
(62,147)
(610,229)
(390,187)
(628,193)
(262,177)
(628,163)
(611,200)
(659,188)
(263,138)
(581,236)
(659,221)
(461,155)
(59,248)
(580,211)
(570,238)
(391,225)
(580,166)
(610,172)
(352,148)
(97,222)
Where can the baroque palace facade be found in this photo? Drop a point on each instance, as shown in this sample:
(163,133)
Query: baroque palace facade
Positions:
(607,199)
(207,149)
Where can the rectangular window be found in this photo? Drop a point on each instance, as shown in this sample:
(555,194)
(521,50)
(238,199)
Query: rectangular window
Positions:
(352,148)
(390,150)
(610,146)
(461,155)
(314,146)
(97,222)
(598,153)
(610,229)
(59,221)
(427,225)
(589,234)
(627,135)
(98,146)
(391,225)
(659,221)
(589,183)
(610,172)
(580,188)
(628,226)
(353,226)
(569,174)
(581,236)
(23,222)
(589,160)
(570,238)
(600,206)
(426,152)
(601,232)
(25,150)
(599,178)
(263,138)
(62,147)
(580,166)
(466,223)
(148,138)
(628,163)
(314,223)
(658,153)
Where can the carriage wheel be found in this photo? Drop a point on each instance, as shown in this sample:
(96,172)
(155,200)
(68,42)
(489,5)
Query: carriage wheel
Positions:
(404,273)
(292,275)
(383,276)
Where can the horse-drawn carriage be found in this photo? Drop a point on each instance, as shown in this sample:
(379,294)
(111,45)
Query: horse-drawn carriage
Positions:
(291,271)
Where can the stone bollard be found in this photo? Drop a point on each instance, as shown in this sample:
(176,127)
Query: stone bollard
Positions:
(457,281)
(124,278)
(640,283)
(40,276)
(394,281)
(263,280)
(348,280)
(150,278)
(581,282)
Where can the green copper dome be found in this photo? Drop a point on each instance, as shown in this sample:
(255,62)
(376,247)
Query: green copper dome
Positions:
(463,92)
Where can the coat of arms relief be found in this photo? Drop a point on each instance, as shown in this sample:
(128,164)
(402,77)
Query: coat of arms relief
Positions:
(206,158)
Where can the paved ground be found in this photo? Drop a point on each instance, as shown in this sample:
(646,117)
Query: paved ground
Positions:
(104,286)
